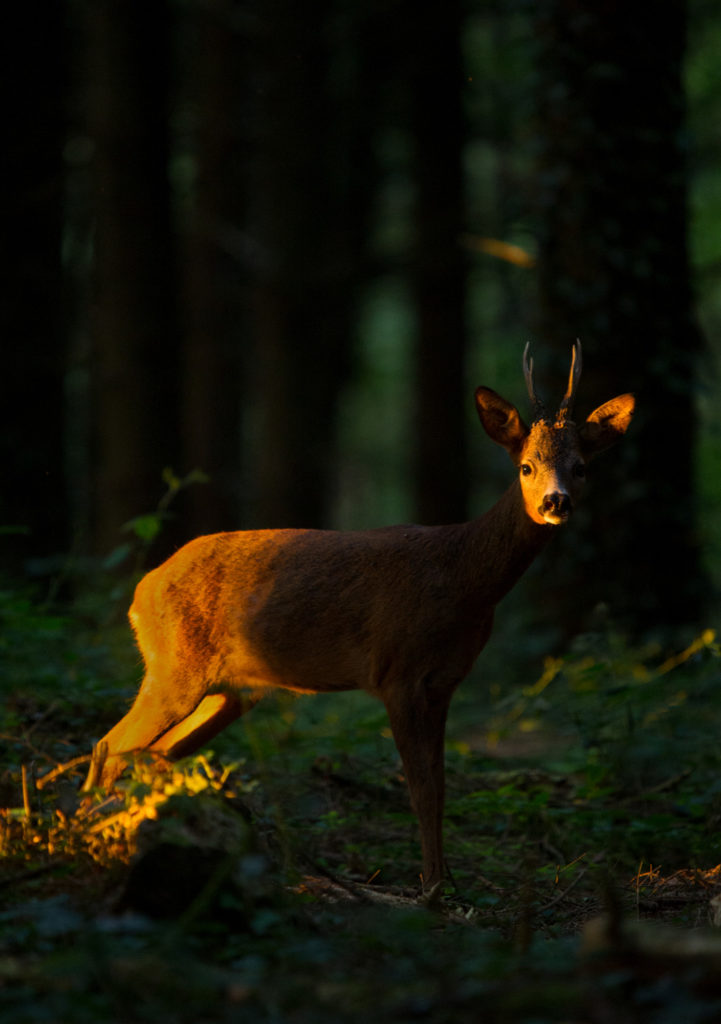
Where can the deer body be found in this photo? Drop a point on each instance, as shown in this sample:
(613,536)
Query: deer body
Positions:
(401,612)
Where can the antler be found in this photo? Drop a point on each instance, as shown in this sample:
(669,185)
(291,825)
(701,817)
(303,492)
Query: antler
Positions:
(536,402)
(566,407)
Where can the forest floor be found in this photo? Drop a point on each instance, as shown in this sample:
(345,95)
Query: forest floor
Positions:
(276,879)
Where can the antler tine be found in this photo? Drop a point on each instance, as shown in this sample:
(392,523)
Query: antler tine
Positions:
(574,376)
(528,374)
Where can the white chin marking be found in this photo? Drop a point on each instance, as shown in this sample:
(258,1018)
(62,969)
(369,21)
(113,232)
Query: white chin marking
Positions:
(553,519)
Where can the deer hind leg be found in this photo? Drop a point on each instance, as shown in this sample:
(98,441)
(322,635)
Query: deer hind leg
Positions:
(150,716)
(173,727)
(418,723)
(211,716)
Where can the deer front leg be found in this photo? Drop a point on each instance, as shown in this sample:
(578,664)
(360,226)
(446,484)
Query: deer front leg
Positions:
(418,723)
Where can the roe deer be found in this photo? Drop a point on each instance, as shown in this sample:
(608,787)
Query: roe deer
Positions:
(401,612)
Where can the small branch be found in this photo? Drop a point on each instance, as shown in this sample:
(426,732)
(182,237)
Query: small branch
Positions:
(572,885)
(26,792)
(660,787)
(342,883)
(61,769)
(562,895)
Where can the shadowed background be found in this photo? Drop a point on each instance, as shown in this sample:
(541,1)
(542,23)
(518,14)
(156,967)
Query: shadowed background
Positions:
(282,245)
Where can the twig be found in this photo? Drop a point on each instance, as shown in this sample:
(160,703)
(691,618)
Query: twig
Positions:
(26,792)
(572,885)
(342,883)
(562,895)
(660,787)
(497,889)
(61,769)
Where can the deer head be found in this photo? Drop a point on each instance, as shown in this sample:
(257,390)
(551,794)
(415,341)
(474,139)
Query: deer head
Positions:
(552,454)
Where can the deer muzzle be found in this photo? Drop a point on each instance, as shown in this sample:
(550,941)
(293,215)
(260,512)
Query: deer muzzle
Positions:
(556,507)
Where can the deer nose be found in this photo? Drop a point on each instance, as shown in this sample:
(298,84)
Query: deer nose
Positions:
(556,507)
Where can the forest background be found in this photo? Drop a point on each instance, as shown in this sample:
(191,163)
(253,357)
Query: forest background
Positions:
(282,247)
(256,257)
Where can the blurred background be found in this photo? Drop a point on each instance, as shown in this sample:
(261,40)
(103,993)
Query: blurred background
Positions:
(281,243)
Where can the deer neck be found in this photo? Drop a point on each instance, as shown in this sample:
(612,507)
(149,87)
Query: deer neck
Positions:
(503,544)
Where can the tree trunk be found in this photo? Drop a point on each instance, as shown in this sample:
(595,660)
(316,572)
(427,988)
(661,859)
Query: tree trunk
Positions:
(307,207)
(613,270)
(216,269)
(134,333)
(438,268)
(32,323)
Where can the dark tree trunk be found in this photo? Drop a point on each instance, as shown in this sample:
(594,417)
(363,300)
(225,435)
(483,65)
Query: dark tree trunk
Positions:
(216,275)
(438,268)
(134,333)
(613,270)
(308,204)
(32,328)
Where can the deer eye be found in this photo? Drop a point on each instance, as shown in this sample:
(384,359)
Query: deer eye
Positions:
(579,470)
(526,469)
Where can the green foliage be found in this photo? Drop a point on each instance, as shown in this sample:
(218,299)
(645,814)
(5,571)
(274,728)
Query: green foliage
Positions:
(235,885)
(145,528)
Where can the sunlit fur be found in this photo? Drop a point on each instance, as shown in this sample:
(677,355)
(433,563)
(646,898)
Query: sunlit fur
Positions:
(401,612)
(553,452)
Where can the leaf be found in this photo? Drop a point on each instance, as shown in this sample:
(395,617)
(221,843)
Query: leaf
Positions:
(116,557)
(146,527)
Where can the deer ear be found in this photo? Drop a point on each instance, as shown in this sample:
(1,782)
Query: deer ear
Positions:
(606,425)
(501,421)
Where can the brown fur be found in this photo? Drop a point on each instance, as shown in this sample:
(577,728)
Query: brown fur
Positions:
(401,612)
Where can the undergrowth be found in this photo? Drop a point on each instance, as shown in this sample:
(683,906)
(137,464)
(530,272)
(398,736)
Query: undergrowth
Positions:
(276,877)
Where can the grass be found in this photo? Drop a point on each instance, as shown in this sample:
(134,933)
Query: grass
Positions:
(276,877)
